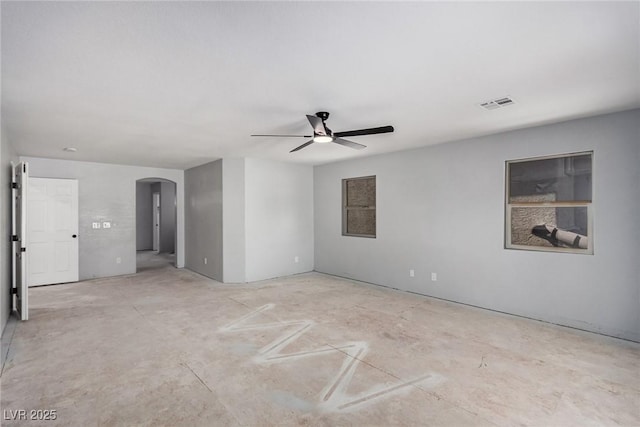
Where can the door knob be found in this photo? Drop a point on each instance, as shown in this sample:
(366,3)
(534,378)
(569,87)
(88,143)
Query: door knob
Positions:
(74,236)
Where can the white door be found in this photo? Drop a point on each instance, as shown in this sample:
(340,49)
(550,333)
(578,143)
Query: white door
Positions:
(19,232)
(156,221)
(52,221)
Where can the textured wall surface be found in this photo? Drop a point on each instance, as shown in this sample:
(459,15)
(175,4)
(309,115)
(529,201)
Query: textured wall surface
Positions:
(441,209)
(108,193)
(523,220)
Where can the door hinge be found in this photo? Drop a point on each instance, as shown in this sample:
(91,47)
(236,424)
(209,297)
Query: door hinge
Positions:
(15,185)
(14,291)
(23,249)
(14,238)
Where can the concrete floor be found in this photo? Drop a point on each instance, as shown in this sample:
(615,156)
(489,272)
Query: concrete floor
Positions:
(167,347)
(151,260)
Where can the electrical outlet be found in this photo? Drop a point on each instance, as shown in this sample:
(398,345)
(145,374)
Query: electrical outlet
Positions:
(434,277)
(118,260)
(296,259)
(412,273)
(106,224)
(205,260)
(95,225)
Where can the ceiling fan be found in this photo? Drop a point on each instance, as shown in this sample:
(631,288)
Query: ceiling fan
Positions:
(322,134)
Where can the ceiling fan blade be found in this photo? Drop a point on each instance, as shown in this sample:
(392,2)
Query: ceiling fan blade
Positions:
(302,146)
(287,136)
(349,144)
(317,125)
(370,131)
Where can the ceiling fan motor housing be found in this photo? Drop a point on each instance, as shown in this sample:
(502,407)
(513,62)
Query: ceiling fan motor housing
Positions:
(322,115)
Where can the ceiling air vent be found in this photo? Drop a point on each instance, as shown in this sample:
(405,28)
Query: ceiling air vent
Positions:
(497,103)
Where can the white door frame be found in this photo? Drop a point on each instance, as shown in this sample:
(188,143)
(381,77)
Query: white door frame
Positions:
(19,262)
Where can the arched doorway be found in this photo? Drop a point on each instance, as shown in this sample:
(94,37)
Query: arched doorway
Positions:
(156,224)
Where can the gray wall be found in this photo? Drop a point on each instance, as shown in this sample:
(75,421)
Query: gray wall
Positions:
(144,216)
(167,217)
(278,219)
(203,219)
(107,193)
(7,155)
(233,220)
(441,209)
(250,218)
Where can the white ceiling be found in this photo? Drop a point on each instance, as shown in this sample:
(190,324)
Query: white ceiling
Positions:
(179,84)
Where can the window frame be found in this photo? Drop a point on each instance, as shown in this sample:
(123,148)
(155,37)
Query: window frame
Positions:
(346,208)
(588,204)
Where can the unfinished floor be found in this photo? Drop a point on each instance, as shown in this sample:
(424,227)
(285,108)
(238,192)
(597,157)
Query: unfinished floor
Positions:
(167,347)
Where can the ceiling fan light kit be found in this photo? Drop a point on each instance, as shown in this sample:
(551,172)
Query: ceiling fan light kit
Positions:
(322,139)
(322,134)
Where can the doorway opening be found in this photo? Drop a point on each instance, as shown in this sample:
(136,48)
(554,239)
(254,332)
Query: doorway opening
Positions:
(155,224)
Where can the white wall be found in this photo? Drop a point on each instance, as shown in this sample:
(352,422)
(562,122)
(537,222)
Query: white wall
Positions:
(278,219)
(108,193)
(7,155)
(441,209)
(203,219)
